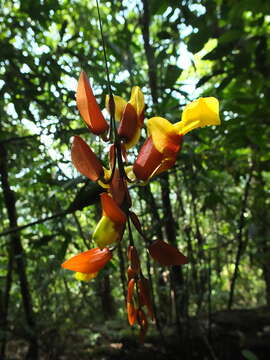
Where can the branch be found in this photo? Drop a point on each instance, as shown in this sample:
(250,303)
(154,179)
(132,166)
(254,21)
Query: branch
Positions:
(18,138)
(149,51)
(87,195)
(40,221)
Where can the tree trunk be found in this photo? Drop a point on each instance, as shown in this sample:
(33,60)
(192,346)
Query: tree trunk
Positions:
(170,230)
(241,242)
(17,254)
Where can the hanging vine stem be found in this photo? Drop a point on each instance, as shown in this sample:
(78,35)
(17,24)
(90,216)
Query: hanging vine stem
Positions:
(131,241)
(113,135)
(104,51)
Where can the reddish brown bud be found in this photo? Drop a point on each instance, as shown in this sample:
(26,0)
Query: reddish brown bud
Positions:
(132,313)
(131,273)
(134,259)
(131,285)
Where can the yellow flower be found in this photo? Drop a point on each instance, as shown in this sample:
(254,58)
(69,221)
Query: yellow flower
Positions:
(160,149)
(131,116)
(199,113)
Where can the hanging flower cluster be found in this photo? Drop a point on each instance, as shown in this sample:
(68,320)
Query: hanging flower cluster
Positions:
(158,154)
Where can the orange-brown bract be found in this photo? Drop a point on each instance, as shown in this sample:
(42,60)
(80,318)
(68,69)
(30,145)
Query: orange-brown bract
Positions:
(148,161)
(134,259)
(84,160)
(128,124)
(88,262)
(111,209)
(88,107)
(166,254)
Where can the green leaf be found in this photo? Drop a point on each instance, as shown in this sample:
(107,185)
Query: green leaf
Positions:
(197,40)
(172,74)
(230,36)
(158,6)
(249,355)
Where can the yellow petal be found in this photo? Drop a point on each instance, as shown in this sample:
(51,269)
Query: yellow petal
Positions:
(137,99)
(130,173)
(134,139)
(84,277)
(199,113)
(120,105)
(107,175)
(106,233)
(164,135)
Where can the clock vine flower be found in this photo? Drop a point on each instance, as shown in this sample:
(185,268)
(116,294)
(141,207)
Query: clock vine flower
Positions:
(157,154)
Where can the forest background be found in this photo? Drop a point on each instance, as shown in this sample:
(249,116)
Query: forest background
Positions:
(213,204)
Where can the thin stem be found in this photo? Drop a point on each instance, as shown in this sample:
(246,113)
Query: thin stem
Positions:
(131,241)
(114,137)
(104,51)
(111,99)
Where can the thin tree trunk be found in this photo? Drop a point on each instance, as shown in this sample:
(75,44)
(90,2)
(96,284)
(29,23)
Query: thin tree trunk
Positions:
(170,229)
(147,194)
(262,232)
(149,51)
(123,270)
(241,242)
(266,275)
(104,290)
(176,271)
(18,254)
(152,209)
(5,304)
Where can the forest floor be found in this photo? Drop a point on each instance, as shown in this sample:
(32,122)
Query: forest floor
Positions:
(235,334)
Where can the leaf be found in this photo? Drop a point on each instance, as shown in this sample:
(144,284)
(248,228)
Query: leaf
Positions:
(158,6)
(164,35)
(249,355)
(218,52)
(230,36)
(197,40)
(87,195)
(225,82)
(206,78)
(172,74)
